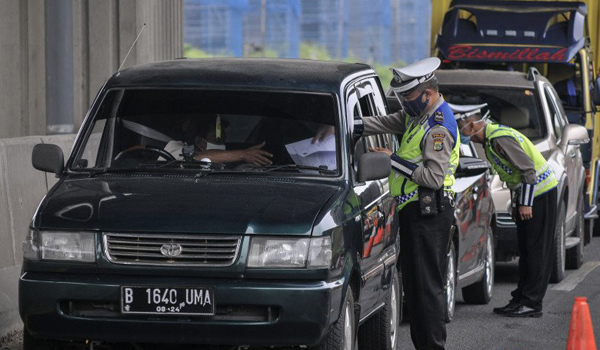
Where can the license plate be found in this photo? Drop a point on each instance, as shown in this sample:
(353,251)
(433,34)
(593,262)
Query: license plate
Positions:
(167,301)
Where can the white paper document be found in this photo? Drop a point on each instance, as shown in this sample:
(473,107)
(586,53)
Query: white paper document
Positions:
(320,153)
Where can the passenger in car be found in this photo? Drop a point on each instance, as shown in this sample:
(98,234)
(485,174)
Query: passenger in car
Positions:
(533,185)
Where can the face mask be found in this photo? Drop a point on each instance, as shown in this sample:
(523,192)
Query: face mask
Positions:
(464,140)
(415,107)
(214,146)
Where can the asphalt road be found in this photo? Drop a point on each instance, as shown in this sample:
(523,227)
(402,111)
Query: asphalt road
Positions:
(476,327)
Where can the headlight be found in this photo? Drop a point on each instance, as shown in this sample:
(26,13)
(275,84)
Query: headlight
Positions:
(65,246)
(31,249)
(279,252)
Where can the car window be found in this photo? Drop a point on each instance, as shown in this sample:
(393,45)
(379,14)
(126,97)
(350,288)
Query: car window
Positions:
(556,116)
(361,102)
(514,107)
(177,129)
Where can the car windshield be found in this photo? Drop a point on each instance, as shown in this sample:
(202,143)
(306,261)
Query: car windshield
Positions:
(514,107)
(206,131)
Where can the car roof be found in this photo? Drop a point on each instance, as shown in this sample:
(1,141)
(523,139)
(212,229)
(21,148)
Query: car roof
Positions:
(261,73)
(487,77)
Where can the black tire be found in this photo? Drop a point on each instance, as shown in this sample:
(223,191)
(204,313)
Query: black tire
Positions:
(589,231)
(481,291)
(338,339)
(381,331)
(595,228)
(558,248)
(574,257)
(450,285)
(32,343)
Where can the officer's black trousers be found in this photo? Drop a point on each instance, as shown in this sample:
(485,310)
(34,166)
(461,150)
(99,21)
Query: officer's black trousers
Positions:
(535,237)
(423,248)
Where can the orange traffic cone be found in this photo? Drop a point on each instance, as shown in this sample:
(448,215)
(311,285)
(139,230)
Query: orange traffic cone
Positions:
(581,333)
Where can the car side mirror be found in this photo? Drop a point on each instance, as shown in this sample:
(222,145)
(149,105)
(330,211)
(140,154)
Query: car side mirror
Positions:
(597,92)
(574,134)
(374,166)
(471,166)
(48,158)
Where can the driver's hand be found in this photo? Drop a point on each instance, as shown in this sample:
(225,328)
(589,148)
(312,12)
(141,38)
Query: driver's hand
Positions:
(256,156)
(525,213)
(381,149)
(323,132)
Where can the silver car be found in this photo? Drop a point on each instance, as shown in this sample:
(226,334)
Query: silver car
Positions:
(529,103)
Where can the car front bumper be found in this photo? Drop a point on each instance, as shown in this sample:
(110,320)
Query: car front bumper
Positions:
(248,312)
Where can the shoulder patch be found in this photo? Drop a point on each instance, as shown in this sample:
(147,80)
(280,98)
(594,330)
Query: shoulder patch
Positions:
(499,150)
(438,142)
(439,117)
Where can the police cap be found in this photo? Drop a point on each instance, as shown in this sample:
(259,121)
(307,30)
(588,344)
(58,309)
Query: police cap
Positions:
(406,79)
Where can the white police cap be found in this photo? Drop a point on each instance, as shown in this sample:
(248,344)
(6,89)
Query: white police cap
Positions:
(409,77)
(465,111)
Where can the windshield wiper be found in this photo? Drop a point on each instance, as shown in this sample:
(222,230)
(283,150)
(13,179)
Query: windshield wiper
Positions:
(321,169)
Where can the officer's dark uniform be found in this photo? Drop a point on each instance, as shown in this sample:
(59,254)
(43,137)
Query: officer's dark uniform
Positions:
(421,182)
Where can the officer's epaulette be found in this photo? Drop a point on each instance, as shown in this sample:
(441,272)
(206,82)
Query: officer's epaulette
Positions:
(438,117)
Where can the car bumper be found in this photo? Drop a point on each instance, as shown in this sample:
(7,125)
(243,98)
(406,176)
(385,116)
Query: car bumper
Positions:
(248,312)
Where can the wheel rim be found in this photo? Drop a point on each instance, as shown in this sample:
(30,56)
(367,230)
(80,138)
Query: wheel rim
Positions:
(394,318)
(348,329)
(489,266)
(450,284)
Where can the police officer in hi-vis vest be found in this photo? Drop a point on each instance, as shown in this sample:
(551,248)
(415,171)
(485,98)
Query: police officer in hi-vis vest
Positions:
(421,180)
(533,185)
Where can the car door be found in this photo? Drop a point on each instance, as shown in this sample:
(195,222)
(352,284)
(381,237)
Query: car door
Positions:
(472,202)
(373,204)
(572,157)
(390,238)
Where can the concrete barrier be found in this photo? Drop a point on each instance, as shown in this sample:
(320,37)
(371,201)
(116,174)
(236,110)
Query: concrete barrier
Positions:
(21,189)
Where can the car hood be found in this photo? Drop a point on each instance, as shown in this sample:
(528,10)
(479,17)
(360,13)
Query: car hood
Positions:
(229,205)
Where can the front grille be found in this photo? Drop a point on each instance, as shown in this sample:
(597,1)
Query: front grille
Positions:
(171,250)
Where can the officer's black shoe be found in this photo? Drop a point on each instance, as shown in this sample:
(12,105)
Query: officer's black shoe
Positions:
(509,307)
(523,311)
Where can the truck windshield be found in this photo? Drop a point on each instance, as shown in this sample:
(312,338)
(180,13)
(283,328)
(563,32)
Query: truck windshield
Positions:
(204,131)
(514,107)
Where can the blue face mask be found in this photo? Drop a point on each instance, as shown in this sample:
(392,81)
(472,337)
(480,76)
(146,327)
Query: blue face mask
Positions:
(415,107)
(464,140)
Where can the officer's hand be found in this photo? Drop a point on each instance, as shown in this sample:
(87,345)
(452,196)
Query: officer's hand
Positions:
(323,132)
(256,156)
(525,212)
(381,149)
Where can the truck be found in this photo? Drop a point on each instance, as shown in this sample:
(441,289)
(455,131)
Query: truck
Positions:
(552,37)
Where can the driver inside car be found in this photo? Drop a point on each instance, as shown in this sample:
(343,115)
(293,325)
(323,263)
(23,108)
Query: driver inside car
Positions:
(204,139)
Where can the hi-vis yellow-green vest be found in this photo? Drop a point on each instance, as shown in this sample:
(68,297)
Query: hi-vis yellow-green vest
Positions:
(545,178)
(401,187)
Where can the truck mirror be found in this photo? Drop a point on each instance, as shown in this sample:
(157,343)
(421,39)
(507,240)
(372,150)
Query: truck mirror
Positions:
(48,158)
(374,166)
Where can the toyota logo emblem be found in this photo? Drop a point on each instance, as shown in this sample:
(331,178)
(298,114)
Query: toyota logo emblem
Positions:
(171,249)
